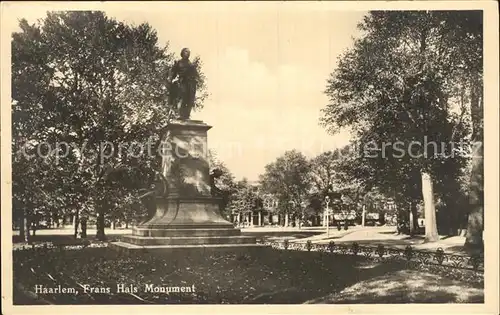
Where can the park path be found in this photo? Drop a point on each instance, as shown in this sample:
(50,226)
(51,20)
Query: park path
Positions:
(387,236)
(69,231)
(332,235)
(369,236)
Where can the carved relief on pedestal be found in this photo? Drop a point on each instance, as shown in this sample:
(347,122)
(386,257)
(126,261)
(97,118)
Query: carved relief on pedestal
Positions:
(184,162)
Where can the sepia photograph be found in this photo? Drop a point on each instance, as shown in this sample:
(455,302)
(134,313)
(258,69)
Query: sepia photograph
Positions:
(250,153)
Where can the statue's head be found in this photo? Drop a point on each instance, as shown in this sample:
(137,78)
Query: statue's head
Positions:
(185,53)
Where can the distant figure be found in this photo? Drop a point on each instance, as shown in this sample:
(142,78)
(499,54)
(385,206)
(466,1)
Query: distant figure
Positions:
(182,80)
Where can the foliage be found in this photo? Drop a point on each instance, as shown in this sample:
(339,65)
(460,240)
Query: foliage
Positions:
(404,81)
(96,87)
(245,199)
(288,180)
(225,182)
(325,173)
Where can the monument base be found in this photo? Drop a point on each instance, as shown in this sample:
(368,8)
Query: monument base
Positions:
(127,248)
(182,224)
(189,217)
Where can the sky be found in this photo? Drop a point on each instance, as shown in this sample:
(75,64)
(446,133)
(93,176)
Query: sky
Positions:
(266,69)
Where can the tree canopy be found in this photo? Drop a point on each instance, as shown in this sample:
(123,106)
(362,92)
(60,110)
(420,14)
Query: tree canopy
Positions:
(410,80)
(92,92)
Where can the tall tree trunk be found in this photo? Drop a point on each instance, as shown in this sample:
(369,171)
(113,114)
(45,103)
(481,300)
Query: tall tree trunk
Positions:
(83,225)
(23,228)
(27,223)
(22,234)
(453,211)
(55,220)
(100,235)
(413,218)
(76,222)
(431,234)
(475,220)
(449,227)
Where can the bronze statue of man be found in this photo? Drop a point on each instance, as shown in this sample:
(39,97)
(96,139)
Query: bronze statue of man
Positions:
(182,80)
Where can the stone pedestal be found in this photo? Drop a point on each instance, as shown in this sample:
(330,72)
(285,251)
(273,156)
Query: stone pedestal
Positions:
(187,215)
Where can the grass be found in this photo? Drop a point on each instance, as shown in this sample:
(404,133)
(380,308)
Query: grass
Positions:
(406,286)
(267,276)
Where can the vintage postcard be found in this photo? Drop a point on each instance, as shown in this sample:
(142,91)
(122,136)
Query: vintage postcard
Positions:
(243,157)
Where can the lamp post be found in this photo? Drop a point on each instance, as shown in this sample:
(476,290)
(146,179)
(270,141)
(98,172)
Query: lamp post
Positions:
(327,201)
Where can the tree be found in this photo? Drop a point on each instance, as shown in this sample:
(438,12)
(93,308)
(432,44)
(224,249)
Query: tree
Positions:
(462,37)
(324,169)
(245,200)
(399,84)
(324,176)
(288,179)
(97,85)
(330,175)
(466,37)
(225,182)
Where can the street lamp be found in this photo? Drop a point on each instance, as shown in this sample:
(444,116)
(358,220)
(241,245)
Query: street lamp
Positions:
(327,201)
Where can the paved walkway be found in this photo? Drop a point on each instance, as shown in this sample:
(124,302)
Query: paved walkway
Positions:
(372,236)
(387,236)
(332,235)
(70,231)
(266,229)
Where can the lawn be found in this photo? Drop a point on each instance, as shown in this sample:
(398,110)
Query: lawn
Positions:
(406,286)
(266,276)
